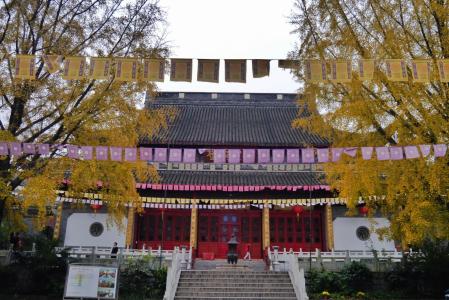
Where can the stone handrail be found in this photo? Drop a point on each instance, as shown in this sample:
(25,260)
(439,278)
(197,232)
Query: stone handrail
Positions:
(345,255)
(173,274)
(296,276)
(105,252)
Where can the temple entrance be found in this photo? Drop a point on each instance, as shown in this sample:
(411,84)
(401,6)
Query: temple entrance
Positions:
(215,229)
(289,232)
(162,228)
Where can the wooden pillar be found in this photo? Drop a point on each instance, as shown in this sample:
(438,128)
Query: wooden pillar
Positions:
(265,227)
(193,226)
(329,227)
(130,227)
(57,228)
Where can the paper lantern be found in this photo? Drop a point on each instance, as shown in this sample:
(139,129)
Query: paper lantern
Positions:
(96,207)
(363,210)
(297,209)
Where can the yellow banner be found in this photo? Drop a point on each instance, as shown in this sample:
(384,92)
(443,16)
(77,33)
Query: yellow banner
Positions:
(235,70)
(341,71)
(421,70)
(99,67)
(181,70)
(443,69)
(396,69)
(52,62)
(25,65)
(126,69)
(208,70)
(315,71)
(74,68)
(261,68)
(153,70)
(366,69)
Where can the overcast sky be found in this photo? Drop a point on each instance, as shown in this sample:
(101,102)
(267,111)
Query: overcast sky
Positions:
(231,29)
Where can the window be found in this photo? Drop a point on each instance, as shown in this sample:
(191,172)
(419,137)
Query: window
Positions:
(96,229)
(362,233)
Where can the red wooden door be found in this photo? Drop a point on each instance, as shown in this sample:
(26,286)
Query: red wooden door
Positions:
(288,231)
(166,229)
(215,229)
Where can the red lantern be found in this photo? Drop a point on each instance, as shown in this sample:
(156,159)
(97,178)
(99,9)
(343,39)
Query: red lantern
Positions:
(363,210)
(297,209)
(96,207)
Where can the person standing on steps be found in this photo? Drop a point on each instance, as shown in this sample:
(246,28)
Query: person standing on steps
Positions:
(248,253)
(114,250)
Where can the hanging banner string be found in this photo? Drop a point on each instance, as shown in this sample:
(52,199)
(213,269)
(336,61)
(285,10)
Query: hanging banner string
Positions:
(220,156)
(129,69)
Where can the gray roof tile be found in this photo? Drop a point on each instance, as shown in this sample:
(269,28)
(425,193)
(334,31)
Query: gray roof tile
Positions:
(253,178)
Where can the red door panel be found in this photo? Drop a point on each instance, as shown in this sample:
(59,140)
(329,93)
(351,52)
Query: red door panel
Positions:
(215,229)
(291,232)
(166,229)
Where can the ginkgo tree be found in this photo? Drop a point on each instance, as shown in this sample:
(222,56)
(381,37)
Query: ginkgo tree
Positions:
(412,193)
(81,112)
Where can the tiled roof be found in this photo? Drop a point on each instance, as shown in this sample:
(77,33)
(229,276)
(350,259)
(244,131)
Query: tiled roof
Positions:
(241,178)
(261,122)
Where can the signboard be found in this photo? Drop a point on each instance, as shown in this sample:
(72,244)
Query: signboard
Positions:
(87,281)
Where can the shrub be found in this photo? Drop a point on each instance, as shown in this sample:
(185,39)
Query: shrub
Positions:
(423,274)
(356,276)
(318,281)
(142,278)
(40,274)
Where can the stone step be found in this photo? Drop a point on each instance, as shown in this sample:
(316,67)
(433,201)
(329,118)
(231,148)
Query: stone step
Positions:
(227,294)
(232,271)
(225,290)
(233,284)
(234,298)
(233,281)
(235,275)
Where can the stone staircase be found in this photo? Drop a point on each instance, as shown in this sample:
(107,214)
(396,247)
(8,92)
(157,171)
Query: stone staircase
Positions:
(245,280)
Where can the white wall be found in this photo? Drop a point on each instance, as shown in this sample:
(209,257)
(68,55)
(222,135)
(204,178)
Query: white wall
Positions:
(78,234)
(345,237)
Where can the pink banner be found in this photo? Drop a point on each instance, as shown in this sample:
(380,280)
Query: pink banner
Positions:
(425,150)
(234,156)
(43,149)
(396,153)
(323,154)
(439,150)
(87,152)
(3,148)
(130,154)
(29,148)
(15,148)
(382,153)
(411,152)
(336,154)
(160,154)
(101,152)
(116,153)
(352,151)
(146,153)
(189,155)
(263,156)
(249,156)
(73,151)
(219,156)
(230,188)
(308,155)
(293,156)
(175,155)
(367,152)
(278,156)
